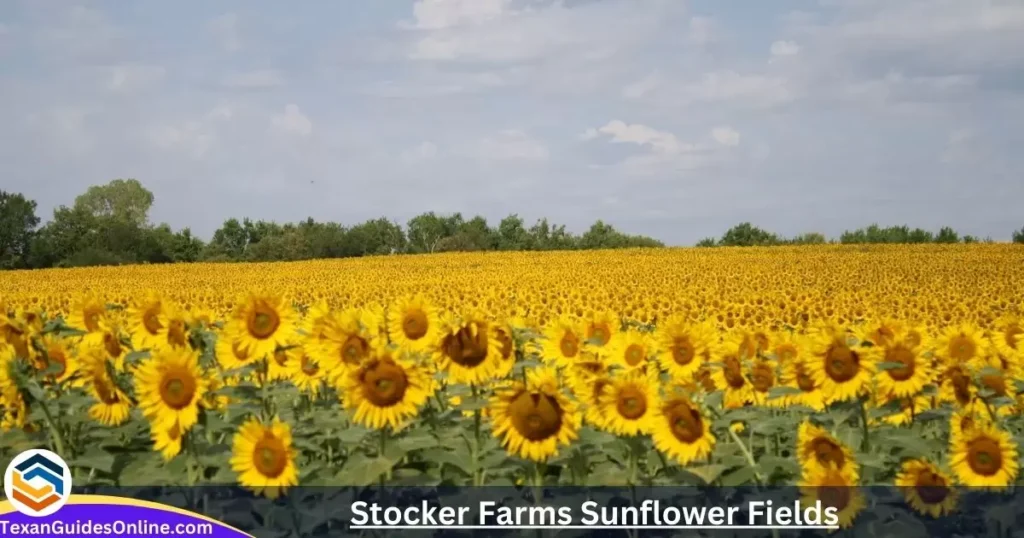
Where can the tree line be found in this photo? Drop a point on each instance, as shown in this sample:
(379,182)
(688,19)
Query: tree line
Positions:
(747,235)
(109,225)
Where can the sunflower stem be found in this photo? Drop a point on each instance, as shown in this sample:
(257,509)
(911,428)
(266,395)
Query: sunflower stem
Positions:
(477,481)
(748,455)
(55,432)
(865,444)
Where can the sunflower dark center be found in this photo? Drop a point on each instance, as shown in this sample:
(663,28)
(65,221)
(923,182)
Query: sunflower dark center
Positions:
(467,348)
(841,363)
(415,324)
(112,344)
(535,416)
(634,354)
(762,377)
(834,495)
(105,391)
(384,383)
(151,320)
(931,487)
(92,318)
(177,390)
(176,333)
(600,333)
(263,321)
(733,373)
(683,351)
(631,403)
(569,345)
(685,422)
(994,382)
(270,456)
(905,357)
(962,348)
(309,367)
(507,345)
(827,451)
(984,456)
(785,352)
(804,380)
(354,350)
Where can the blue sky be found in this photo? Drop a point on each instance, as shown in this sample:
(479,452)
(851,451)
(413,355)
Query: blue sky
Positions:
(663,117)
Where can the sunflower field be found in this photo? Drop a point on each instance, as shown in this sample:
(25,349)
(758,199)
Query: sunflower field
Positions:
(814,367)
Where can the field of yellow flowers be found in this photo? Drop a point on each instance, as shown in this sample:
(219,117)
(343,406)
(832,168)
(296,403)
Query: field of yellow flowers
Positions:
(810,366)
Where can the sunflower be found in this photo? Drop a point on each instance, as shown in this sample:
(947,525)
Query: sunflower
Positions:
(305,371)
(795,374)
(146,322)
(1008,337)
(683,347)
(588,390)
(113,406)
(261,323)
(628,403)
(88,313)
(413,323)
(818,451)
(632,350)
(680,430)
(956,385)
(913,373)
(58,354)
(927,489)
(985,456)
(730,379)
(839,364)
(563,342)
(213,400)
(763,377)
(170,385)
(786,347)
(231,354)
(962,344)
(387,389)
(833,489)
(264,458)
(468,352)
(166,441)
(504,333)
(344,341)
(534,419)
(179,323)
(883,331)
(316,321)
(601,331)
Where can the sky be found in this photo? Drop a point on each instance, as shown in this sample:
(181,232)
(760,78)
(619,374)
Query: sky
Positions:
(670,118)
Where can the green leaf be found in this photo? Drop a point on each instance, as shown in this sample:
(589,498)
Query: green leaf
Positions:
(708,473)
(778,392)
(95,458)
(362,471)
(741,476)
(442,457)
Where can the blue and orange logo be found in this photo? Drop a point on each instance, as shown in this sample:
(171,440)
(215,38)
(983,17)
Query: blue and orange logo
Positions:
(37,482)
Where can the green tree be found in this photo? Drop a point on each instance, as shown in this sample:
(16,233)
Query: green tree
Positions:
(1018,236)
(125,200)
(512,235)
(18,223)
(746,234)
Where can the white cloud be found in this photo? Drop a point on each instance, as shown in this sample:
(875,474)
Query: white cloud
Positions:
(726,136)
(264,78)
(785,48)
(292,121)
(440,14)
(642,87)
(424,151)
(658,141)
(194,137)
(511,145)
(134,77)
(225,29)
(703,30)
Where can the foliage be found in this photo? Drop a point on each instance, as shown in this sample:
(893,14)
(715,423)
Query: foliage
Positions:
(17,223)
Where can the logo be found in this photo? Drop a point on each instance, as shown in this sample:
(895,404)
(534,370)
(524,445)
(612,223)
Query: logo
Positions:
(37,482)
